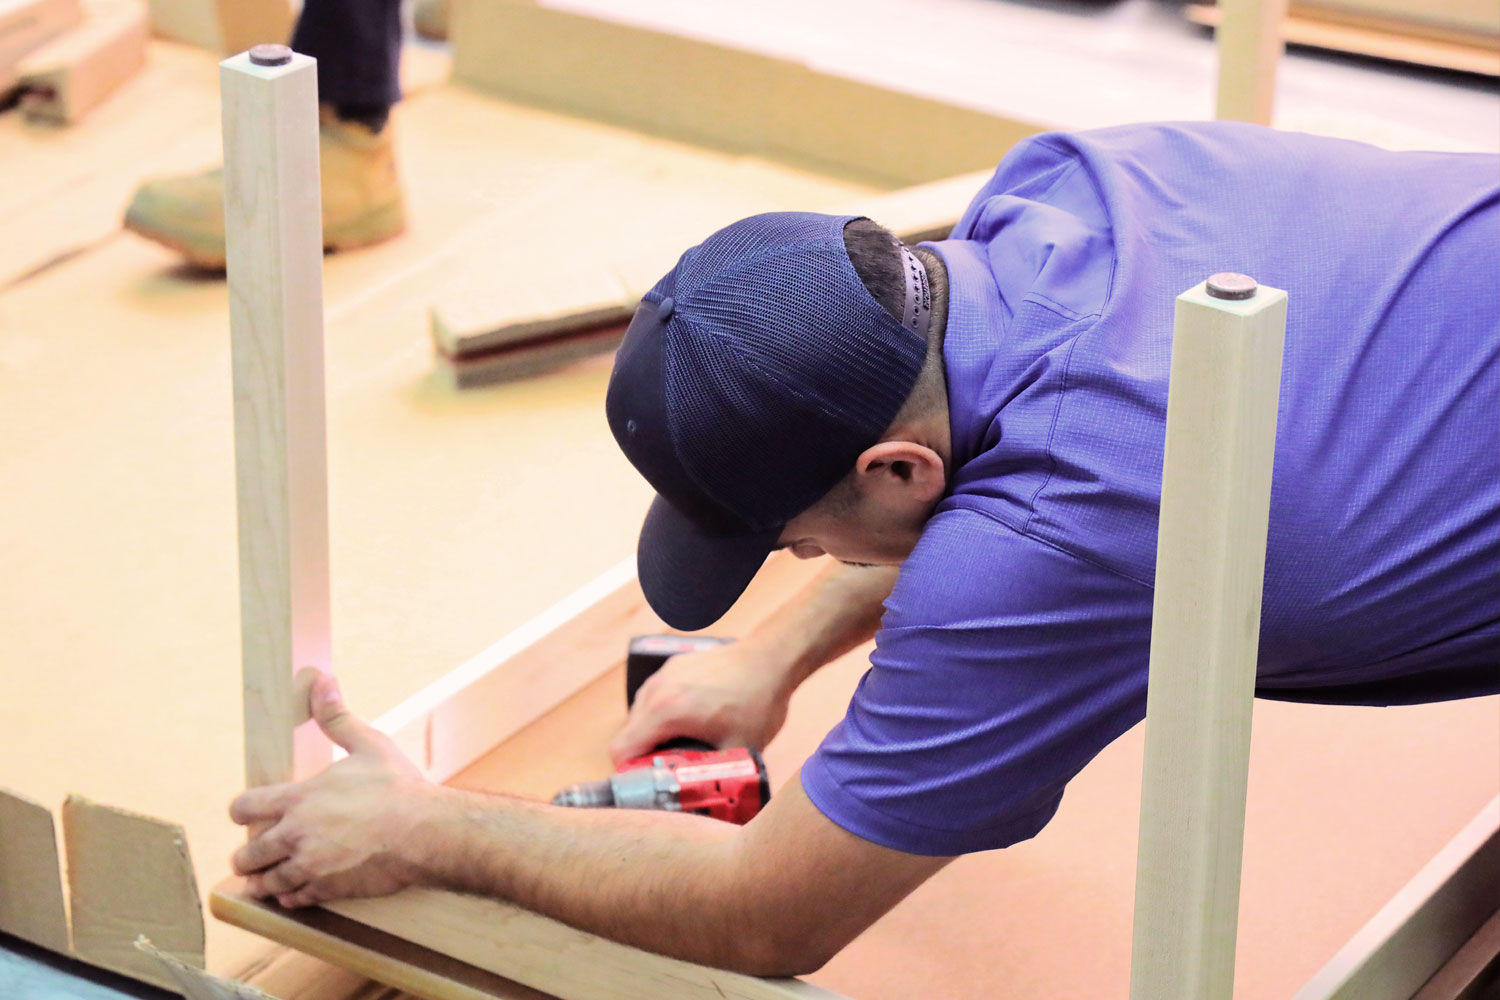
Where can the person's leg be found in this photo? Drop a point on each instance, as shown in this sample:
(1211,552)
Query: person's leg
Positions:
(358,47)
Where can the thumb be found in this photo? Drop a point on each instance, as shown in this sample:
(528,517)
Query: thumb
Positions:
(336,721)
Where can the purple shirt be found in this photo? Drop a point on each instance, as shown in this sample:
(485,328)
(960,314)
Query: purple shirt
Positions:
(1014,647)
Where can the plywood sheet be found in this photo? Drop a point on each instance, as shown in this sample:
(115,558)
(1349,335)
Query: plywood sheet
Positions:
(31,895)
(130,875)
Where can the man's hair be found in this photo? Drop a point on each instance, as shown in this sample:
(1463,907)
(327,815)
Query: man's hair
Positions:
(875,253)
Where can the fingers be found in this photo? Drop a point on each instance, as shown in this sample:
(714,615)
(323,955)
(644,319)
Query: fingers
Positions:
(271,847)
(287,877)
(265,804)
(336,721)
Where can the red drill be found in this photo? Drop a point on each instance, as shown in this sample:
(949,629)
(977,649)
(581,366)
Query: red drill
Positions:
(681,775)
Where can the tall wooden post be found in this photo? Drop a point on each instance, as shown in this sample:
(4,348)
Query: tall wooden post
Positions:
(1205,635)
(273,219)
(1250,45)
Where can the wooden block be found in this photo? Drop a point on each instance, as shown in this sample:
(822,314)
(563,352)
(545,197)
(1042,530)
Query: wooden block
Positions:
(26,24)
(1423,925)
(532,357)
(222,25)
(31,895)
(489,307)
(130,875)
(1249,41)
(274,245)
(67,77)
(1205,635)
(719,96)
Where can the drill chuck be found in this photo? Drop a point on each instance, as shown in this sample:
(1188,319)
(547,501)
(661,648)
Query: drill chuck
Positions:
(652,787)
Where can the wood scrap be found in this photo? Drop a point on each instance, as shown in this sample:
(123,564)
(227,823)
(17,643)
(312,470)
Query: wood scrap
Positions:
(130,875)
(31,894)
(67,77)
(494,325)
(27,24)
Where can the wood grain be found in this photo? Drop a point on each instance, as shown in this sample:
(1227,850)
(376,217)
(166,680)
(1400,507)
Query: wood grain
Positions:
(274,241)
(1205,634)
(1250,46)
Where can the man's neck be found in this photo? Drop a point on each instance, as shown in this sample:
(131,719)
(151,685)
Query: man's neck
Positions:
(937,277)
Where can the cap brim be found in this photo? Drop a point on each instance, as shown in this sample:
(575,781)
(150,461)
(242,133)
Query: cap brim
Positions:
(689,577)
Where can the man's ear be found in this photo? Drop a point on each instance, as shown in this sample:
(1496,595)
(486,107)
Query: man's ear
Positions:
(905,466)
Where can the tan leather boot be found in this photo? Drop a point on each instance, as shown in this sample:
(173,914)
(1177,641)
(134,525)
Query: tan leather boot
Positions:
(430,18)
(362,201)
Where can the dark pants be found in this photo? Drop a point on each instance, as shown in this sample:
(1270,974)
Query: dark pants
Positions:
(358,47)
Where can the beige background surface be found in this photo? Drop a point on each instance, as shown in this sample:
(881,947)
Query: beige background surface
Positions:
(455,517)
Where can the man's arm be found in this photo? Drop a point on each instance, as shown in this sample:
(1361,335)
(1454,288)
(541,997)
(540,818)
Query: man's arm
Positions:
(776,897)
(737,695)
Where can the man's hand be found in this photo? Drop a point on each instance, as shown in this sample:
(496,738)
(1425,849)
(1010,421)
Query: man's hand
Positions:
(727,696)
(340,833)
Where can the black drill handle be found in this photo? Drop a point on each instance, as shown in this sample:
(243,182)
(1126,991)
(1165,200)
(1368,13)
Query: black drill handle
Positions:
(645,657)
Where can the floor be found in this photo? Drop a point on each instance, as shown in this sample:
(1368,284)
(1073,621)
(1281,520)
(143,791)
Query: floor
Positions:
(456,516)
(31,973)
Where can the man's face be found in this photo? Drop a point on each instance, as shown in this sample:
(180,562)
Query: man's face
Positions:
(859,533)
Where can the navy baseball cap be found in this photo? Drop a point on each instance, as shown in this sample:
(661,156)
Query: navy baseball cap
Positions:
(751,378)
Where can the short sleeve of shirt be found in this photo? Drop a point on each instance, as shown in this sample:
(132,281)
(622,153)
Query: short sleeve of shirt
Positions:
(1003,665)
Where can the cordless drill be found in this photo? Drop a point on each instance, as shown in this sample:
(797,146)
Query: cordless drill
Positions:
(681,775)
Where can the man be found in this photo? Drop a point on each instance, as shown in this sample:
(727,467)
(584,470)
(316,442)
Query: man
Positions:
(979,424)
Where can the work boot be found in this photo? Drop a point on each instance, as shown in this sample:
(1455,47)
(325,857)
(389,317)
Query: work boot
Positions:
(430,18)
(362,201)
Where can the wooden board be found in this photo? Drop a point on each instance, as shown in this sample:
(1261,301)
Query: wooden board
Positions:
(553,957)
(130,875)
(222,26)
(68,77)
(1306,26)
(1423,925)
(363,950)
(720,96)
(274,240)
(31,893)
(1205,639)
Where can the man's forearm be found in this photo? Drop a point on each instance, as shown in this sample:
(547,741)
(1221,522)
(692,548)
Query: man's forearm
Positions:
(666,882)
(836,612)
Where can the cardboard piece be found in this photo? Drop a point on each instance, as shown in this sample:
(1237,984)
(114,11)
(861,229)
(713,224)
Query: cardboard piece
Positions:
(196,984)
(31,896)
(130,875)
(26,24)
(64,79)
